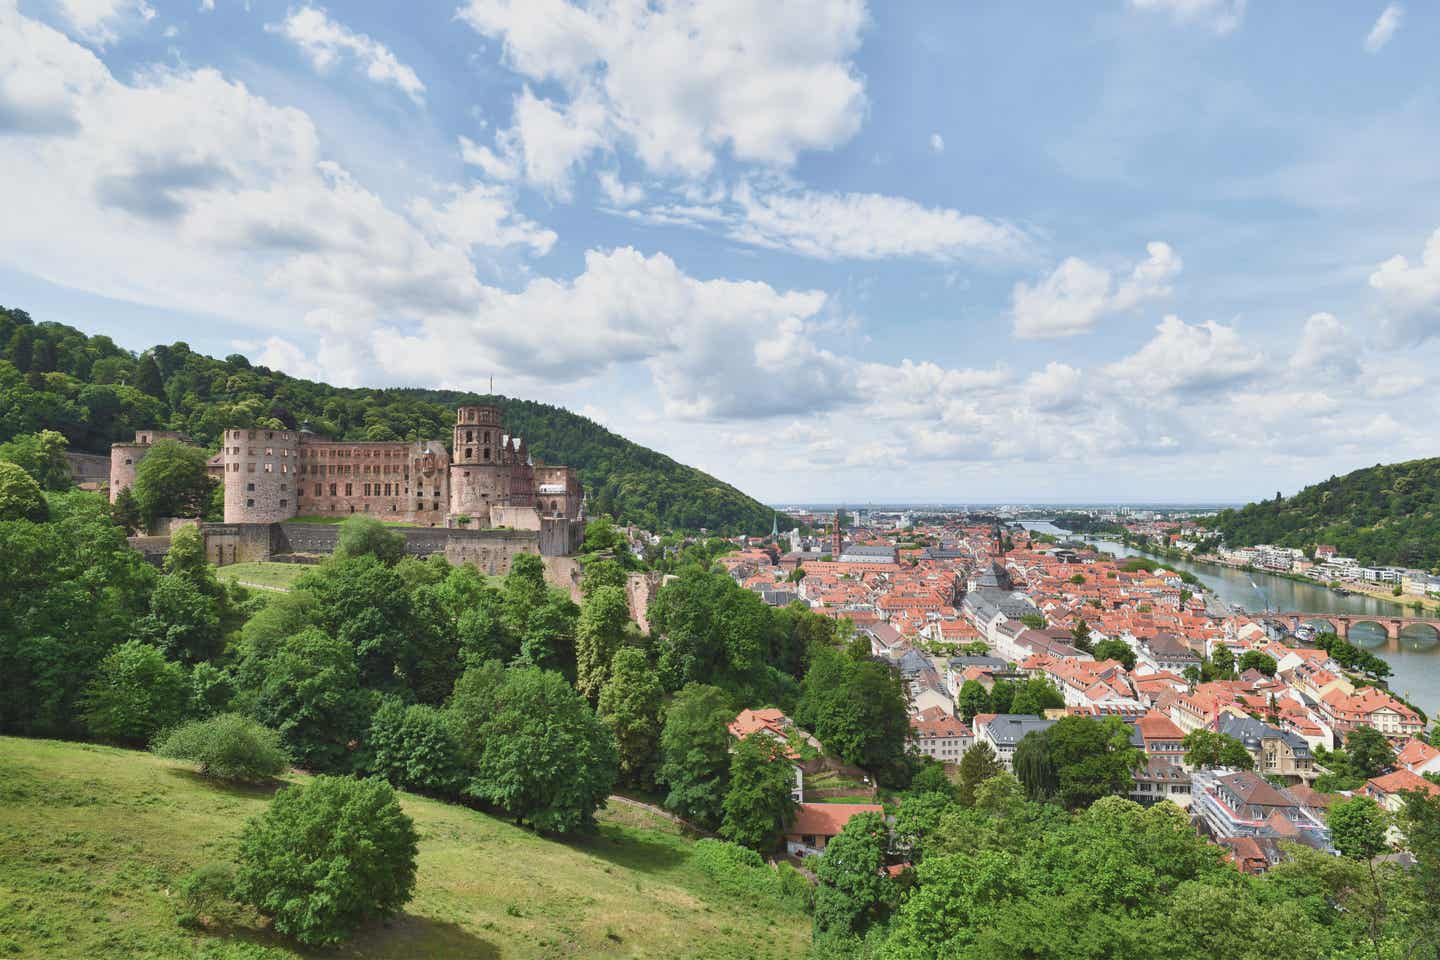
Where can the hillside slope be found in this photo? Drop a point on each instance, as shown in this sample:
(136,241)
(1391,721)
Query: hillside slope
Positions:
(54,376)
(1380,515)
(93,841)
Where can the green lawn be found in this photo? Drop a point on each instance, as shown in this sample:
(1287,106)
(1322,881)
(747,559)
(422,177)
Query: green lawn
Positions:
(342,517)
(93,841)
(278,576)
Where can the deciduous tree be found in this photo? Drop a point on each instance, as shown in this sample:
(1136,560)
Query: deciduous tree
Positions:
(758,802)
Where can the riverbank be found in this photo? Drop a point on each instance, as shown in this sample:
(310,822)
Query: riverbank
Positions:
(1379,593)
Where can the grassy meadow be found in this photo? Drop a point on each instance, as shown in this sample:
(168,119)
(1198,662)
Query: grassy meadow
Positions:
(94,840)
(275,576)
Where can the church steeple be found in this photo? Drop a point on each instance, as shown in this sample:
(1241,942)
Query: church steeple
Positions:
(775,526)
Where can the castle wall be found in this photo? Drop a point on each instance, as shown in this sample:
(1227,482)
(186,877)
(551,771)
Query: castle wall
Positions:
(89,470)
(227,543)
(262,475)
(514,517)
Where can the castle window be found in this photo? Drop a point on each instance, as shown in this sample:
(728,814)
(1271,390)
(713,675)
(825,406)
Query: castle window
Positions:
(250,435)
(249,503)
(250,487)
(350,492)
(332,489)
(284,487)
(367,489)
(469,452)
(269,451)
(317,489)
(250,467)
(128,462)
(284,503)
(420,506)
(269,435)
(469,436)
(487,453)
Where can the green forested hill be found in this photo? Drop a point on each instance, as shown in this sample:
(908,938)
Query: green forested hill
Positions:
(1380,515)
(54,376)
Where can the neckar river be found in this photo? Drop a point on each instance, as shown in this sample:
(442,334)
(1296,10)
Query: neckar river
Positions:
(1416,664)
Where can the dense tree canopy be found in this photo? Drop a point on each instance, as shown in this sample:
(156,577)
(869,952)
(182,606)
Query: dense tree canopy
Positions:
(695,753)
(1379,515)
(858,709)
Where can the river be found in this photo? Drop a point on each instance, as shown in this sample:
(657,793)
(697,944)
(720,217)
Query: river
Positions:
(1416,664)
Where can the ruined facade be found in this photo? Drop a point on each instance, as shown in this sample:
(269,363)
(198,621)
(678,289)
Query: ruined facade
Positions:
(494,482)
(271,476)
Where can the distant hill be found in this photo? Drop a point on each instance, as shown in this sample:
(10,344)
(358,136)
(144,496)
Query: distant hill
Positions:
(54,376)
(1387,515)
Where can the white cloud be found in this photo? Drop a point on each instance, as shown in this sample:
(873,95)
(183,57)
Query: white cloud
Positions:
(678,82)
(1385,26)
(1184,358)
(184,189)
(1326,349)
(1073,298)
(867,226)
(484,215)
(101,21)
(1222,16)
(327,41)
(618,192)
(714,348)
(937,143)
(1410,296)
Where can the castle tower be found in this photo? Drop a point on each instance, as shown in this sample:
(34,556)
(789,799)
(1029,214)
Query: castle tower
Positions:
(262,475)
(475,465)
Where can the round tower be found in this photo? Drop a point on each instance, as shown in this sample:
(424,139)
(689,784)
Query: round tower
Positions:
(262,475)
(474,462)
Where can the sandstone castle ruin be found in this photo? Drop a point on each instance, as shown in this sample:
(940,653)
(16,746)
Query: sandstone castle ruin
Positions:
(489,497)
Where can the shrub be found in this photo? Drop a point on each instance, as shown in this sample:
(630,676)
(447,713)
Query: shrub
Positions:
(742,873)
(228,746)
(206,895)
(326,857)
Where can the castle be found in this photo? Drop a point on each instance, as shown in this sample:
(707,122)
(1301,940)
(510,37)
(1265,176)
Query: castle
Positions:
(490,480)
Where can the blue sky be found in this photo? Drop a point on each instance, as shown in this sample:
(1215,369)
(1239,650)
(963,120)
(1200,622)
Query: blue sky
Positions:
(1129,249)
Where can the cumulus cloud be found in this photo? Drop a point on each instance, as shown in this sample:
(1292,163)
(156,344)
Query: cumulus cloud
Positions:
(1222,16)
(1385,26)
(676,82)
(937,143)
(1182,358)
(1077,294)
(1326,349)
(714,348)
(185,189)
(1410,296)
(327,41)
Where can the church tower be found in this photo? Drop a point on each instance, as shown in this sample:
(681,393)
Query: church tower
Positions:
(837,539)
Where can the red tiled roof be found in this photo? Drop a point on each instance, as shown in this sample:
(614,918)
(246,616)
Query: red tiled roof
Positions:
(1401,781)
(827,819)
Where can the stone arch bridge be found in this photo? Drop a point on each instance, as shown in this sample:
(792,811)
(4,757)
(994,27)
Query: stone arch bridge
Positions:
(1342,622)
